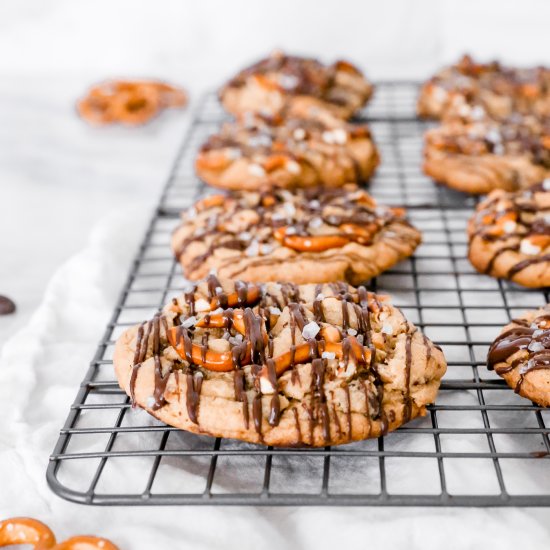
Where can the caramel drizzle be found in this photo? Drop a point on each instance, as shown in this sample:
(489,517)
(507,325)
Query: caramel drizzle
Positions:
(218,236)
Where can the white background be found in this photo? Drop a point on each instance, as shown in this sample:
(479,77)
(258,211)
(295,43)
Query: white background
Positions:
(59,177)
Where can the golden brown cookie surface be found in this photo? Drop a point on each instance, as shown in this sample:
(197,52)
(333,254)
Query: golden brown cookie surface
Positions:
(489,88)
(308,146)
(272,83)
(309,235)
(280,364)
(521,355)
(477,157)
(509,236)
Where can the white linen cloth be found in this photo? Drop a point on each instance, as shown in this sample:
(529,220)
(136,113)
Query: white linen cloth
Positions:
(40,370)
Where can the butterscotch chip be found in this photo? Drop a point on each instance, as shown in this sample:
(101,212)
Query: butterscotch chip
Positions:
(521,355)
(273,83)
(473,89)
(509,236)
(310,235)
(280,364)
(308,147)
(477,157)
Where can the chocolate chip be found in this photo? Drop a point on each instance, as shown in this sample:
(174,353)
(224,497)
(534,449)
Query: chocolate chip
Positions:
(7,306)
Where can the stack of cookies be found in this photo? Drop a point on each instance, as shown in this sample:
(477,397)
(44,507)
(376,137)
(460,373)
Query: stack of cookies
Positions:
(274,340)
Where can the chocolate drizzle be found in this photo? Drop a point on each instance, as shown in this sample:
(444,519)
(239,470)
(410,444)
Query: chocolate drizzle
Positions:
(294,75)
(510,218)
(253,366)
(346,214)
(532,340)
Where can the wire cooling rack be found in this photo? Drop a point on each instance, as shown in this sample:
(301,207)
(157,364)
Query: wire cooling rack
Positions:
(479,445)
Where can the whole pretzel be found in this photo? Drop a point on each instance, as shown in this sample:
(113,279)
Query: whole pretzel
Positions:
(26,531)
(128,102)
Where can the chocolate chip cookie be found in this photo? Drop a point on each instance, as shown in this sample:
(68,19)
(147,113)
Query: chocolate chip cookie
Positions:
(312,235)
(280,364)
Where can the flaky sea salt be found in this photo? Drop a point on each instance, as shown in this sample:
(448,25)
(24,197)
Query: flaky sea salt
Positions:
(266,249)
(288,81)
(387,329)
(274,310)
(337,136)
(150,403)
(233,153)
(493,136)
(527,247)
(315,222)
(202,305)
(319,297)
(546,184)
(256,170)
(535,346)
(328,355)
(290,209)
(352,332)
(293,167)
(189,322)
(244,236)
(253,249)
(260,140)
(311,330)
(477,113)
(235,340)
(509,226)
(299,134)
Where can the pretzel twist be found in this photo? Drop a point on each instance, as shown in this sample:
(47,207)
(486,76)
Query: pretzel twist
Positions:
(128,102)
(30,531)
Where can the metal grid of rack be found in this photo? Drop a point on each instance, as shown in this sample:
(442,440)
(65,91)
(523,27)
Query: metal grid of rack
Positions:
(479,445)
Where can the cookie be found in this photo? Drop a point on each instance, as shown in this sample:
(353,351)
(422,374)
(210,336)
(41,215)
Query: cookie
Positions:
(308,147)
(477,157)
(271,84)
(521,355)
(473,88)
(280,364)
(312,235)
(509,236)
